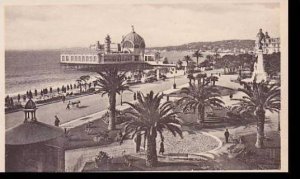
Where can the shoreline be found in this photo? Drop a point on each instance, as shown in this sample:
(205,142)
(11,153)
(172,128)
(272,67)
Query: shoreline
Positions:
(54,86)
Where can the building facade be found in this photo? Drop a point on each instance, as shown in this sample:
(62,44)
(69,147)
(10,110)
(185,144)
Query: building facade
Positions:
(131,49)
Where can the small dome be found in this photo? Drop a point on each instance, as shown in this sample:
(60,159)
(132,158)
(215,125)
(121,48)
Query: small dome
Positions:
(30,104)
(133,40)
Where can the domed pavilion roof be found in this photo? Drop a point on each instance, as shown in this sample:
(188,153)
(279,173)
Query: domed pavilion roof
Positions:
(133,40)
(31,132)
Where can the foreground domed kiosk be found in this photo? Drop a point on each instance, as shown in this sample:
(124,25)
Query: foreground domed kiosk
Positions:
(34,146)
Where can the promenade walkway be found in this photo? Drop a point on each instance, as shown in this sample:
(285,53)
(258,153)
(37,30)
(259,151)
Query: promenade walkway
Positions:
(91,105)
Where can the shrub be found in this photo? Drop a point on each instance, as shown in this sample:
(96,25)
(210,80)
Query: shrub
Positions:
(102,159)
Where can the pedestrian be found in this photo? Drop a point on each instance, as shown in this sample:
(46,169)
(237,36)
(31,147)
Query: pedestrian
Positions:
(162,148)
(231,95)
(11,102)
(19,97)
(226,134)
(57,121)
(134,96)
(63,99)
(68,105)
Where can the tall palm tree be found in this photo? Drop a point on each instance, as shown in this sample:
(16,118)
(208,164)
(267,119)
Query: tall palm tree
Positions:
(150,118)
(187,59)
(259,98)
(199,97)
(197,54)
(111,82)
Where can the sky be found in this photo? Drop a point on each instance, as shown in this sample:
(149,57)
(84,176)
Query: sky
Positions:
(65,26)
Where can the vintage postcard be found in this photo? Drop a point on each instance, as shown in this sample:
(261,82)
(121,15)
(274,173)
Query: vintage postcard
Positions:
(140,86)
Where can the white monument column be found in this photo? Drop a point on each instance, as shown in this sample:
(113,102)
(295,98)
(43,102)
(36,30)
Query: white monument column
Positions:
(259,73)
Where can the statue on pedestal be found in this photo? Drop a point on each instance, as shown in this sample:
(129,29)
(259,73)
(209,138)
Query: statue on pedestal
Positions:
(260,37)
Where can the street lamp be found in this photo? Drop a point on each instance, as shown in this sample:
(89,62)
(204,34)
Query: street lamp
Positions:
(121,98)
(174,85)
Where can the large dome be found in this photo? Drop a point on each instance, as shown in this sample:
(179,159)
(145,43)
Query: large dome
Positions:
(133,40)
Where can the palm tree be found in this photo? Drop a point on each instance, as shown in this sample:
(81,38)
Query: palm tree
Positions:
(213,79)
(187,59)
(199,97)
(150,118)
(197,54)
(111,82)
(179,64)
(201,76)
(216,56)
(259,98)
(190,77)
(79,84)
(84,79)
(209,58)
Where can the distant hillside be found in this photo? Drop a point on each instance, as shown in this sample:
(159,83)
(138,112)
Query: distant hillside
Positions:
(224,45)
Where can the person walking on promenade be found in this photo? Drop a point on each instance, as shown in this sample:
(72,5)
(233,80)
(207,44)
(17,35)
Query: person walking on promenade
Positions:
(57,121)
(19,97)
(231,95)
(68,105)
(226,134)
(134,96)
(63,99)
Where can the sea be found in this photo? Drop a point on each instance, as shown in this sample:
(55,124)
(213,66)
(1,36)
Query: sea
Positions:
(30,70)
(38,69)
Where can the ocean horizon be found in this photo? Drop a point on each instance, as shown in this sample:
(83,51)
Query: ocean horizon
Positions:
(37,69)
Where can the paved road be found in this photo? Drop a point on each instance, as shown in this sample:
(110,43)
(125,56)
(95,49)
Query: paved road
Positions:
(89,104)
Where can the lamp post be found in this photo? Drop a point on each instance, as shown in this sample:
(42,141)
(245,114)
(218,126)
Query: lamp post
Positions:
(121,98)
(174,85)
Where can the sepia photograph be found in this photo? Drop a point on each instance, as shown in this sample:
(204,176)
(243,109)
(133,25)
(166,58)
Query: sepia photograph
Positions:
(142,86)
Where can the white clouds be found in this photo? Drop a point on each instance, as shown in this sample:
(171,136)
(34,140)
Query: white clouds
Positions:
(36,27)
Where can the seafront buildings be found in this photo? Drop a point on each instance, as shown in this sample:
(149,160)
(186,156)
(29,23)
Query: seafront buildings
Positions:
(129,53)
(131,49)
